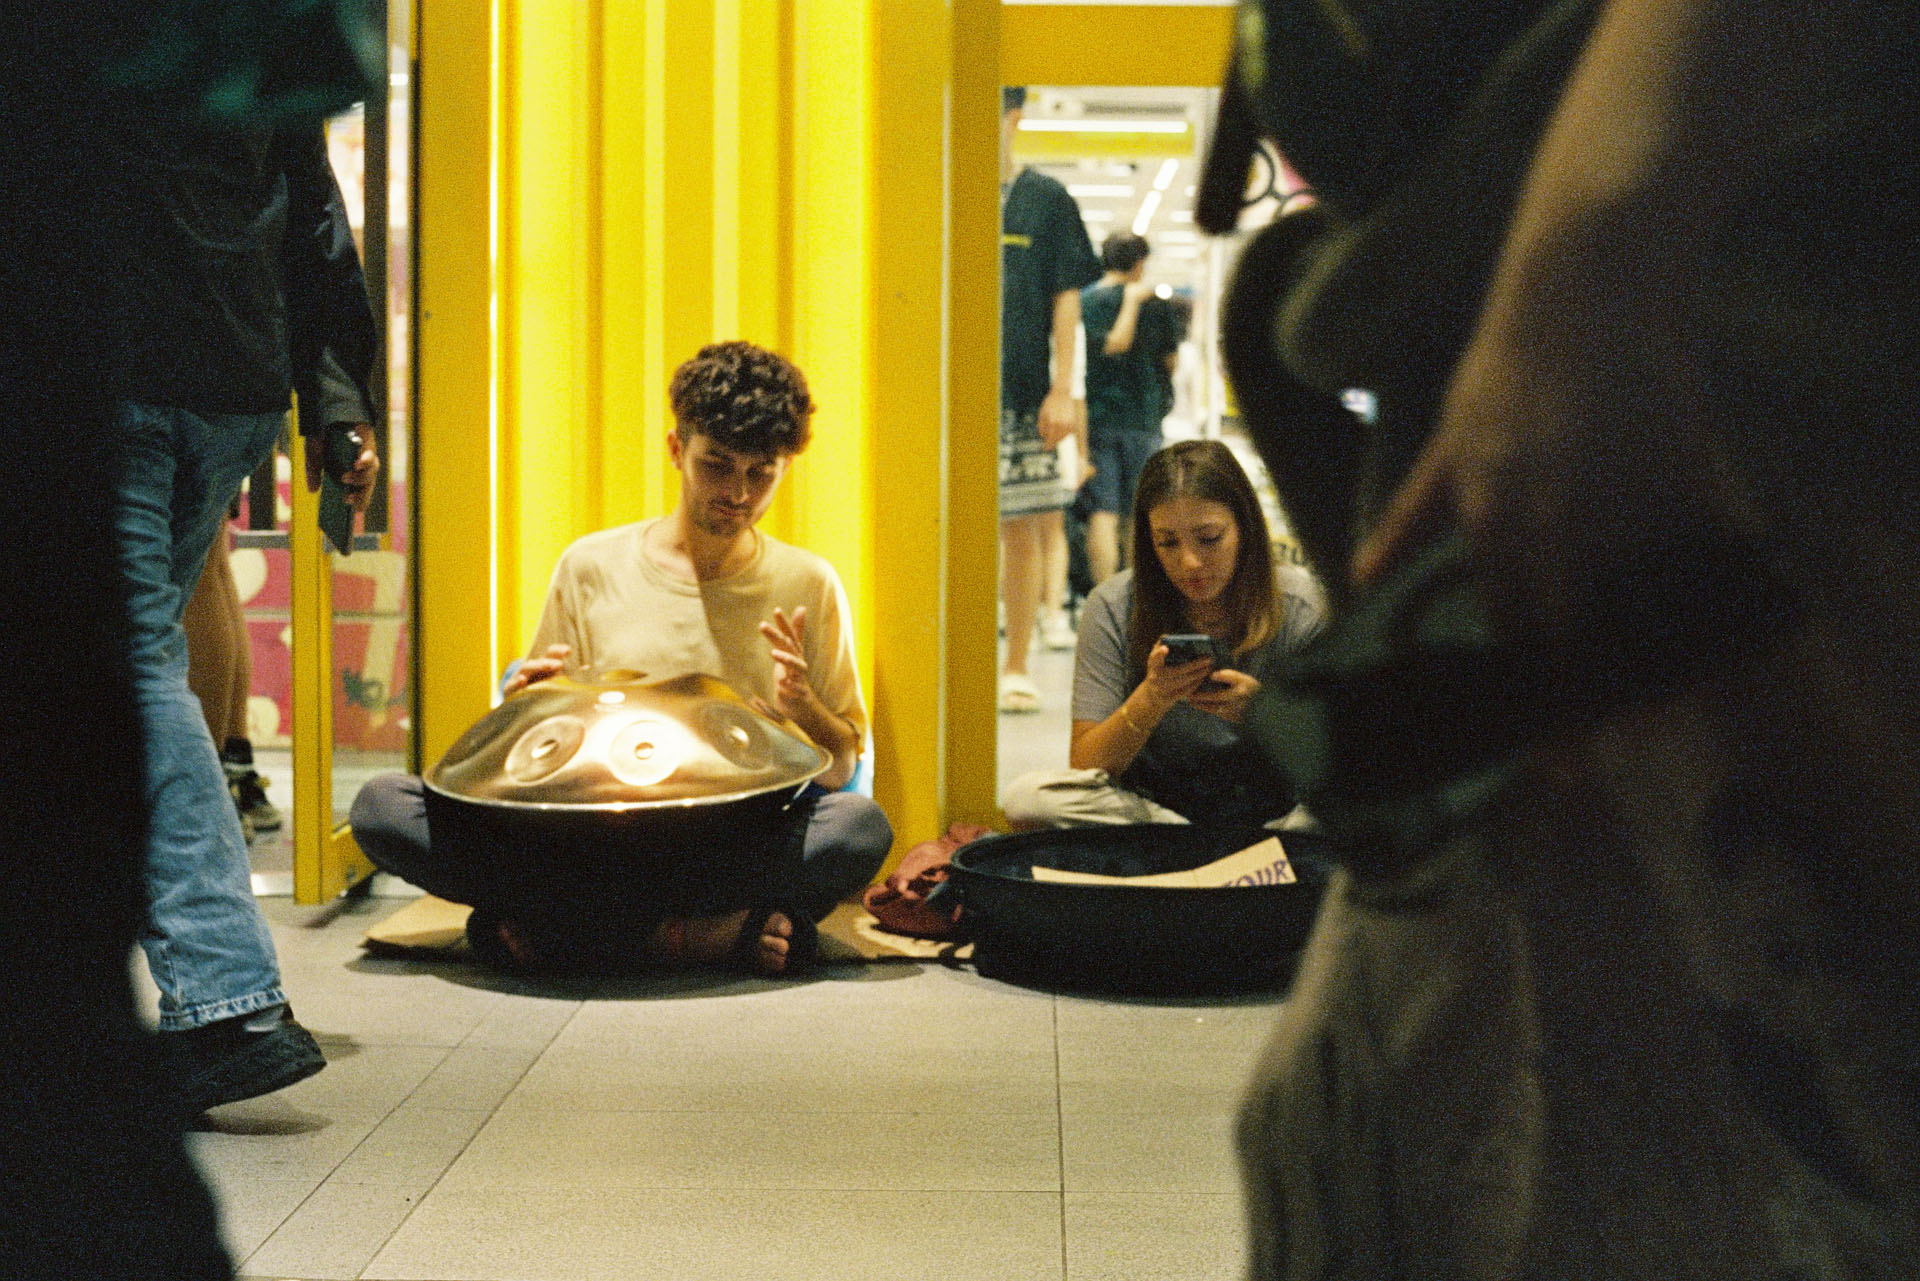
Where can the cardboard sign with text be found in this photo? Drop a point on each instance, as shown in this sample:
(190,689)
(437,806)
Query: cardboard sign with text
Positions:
(1262,864)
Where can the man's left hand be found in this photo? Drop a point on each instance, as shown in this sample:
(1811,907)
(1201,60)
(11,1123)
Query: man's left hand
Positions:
(358,479)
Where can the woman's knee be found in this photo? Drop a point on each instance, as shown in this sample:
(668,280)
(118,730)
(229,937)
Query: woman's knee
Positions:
(1021,800)
(1051,798)
(1075,798)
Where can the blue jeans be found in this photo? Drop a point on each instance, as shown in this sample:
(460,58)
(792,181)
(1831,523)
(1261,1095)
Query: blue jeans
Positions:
(206,942)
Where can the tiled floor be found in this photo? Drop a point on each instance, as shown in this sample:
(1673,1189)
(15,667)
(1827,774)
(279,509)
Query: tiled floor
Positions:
(896,1121)
(883,1121)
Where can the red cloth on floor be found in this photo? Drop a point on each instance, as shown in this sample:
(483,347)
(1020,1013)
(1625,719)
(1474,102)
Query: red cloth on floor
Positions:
(900,902)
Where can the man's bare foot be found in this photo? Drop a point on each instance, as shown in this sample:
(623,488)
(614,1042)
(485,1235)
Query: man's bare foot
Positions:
(716,938)
(506,943)
(515,940)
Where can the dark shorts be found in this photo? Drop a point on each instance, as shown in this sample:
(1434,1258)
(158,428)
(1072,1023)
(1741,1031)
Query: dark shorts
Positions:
(1117,457)
(1029,469)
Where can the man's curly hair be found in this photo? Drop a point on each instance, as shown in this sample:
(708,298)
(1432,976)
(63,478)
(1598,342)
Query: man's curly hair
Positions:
(743,397)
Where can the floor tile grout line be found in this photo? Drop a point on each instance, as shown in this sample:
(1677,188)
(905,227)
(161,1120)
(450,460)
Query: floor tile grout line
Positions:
(334,1169)
(1060,1135)
(520,1034)
(490,1114)
(448,1053)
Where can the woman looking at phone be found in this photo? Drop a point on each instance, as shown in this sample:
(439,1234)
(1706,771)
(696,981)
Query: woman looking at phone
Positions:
(1156,740)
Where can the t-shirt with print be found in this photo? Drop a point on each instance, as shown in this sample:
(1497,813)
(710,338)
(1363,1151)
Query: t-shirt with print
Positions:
(617,609)
(1044,251)
(1204,768)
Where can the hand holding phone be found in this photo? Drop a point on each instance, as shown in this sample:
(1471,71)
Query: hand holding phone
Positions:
(1187,647)
(342,451)
(342,464)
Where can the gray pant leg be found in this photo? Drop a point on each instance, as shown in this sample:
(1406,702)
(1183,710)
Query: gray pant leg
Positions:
(847,840)
(389,821)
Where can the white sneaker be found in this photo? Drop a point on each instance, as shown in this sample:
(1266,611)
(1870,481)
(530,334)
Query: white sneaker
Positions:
(1056,631)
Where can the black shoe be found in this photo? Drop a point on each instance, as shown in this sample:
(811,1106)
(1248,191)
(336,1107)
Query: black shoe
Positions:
(248,787)
(239,1058)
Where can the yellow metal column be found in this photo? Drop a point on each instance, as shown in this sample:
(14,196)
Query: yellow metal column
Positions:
(753,171)
(453,512)
(632,480)
(550,461)
(607,278)
(972,549)
(325,859)
(906,377)
(678,131)
(828,502)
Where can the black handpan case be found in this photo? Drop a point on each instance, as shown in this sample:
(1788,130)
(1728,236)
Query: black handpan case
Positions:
(1130,938)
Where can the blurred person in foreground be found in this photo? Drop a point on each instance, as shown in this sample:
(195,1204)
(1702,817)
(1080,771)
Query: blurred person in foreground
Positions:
(93,1172)
(93,1175)
(1620,707)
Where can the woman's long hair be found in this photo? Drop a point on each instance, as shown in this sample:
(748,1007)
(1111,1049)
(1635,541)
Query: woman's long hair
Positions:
(1203,469)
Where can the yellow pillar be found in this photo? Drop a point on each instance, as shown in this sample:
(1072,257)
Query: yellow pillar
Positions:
(607,279)
(753,171)
(453,516)
(908,595)
(969,731)
(632,479)
(816,175)
(679,157)
(827,505)
(551,461)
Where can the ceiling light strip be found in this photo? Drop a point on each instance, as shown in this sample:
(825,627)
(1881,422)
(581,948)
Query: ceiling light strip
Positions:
(1057,125)
(1144,219)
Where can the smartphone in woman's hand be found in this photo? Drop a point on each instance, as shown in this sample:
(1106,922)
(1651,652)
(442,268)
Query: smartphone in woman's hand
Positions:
(1187,647)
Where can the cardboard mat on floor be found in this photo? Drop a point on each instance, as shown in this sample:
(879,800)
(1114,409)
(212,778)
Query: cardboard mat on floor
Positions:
(431,926)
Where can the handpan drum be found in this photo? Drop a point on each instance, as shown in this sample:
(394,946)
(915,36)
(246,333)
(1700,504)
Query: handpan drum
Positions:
(681,791)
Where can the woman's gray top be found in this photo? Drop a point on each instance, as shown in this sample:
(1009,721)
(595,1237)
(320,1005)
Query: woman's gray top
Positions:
(1194,763)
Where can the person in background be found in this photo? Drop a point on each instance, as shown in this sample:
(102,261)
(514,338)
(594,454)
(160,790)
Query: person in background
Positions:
(1124,402)
(1156,741)
(220,673)
(1045,259)
(1164,326)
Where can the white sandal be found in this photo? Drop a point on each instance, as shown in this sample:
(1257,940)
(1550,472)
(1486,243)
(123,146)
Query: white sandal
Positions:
(1018,693)
(1056,631)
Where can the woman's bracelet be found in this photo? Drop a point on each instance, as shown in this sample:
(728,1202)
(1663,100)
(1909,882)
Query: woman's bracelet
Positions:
(1143,733)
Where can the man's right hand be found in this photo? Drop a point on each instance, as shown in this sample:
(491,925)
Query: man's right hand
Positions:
(552,663)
